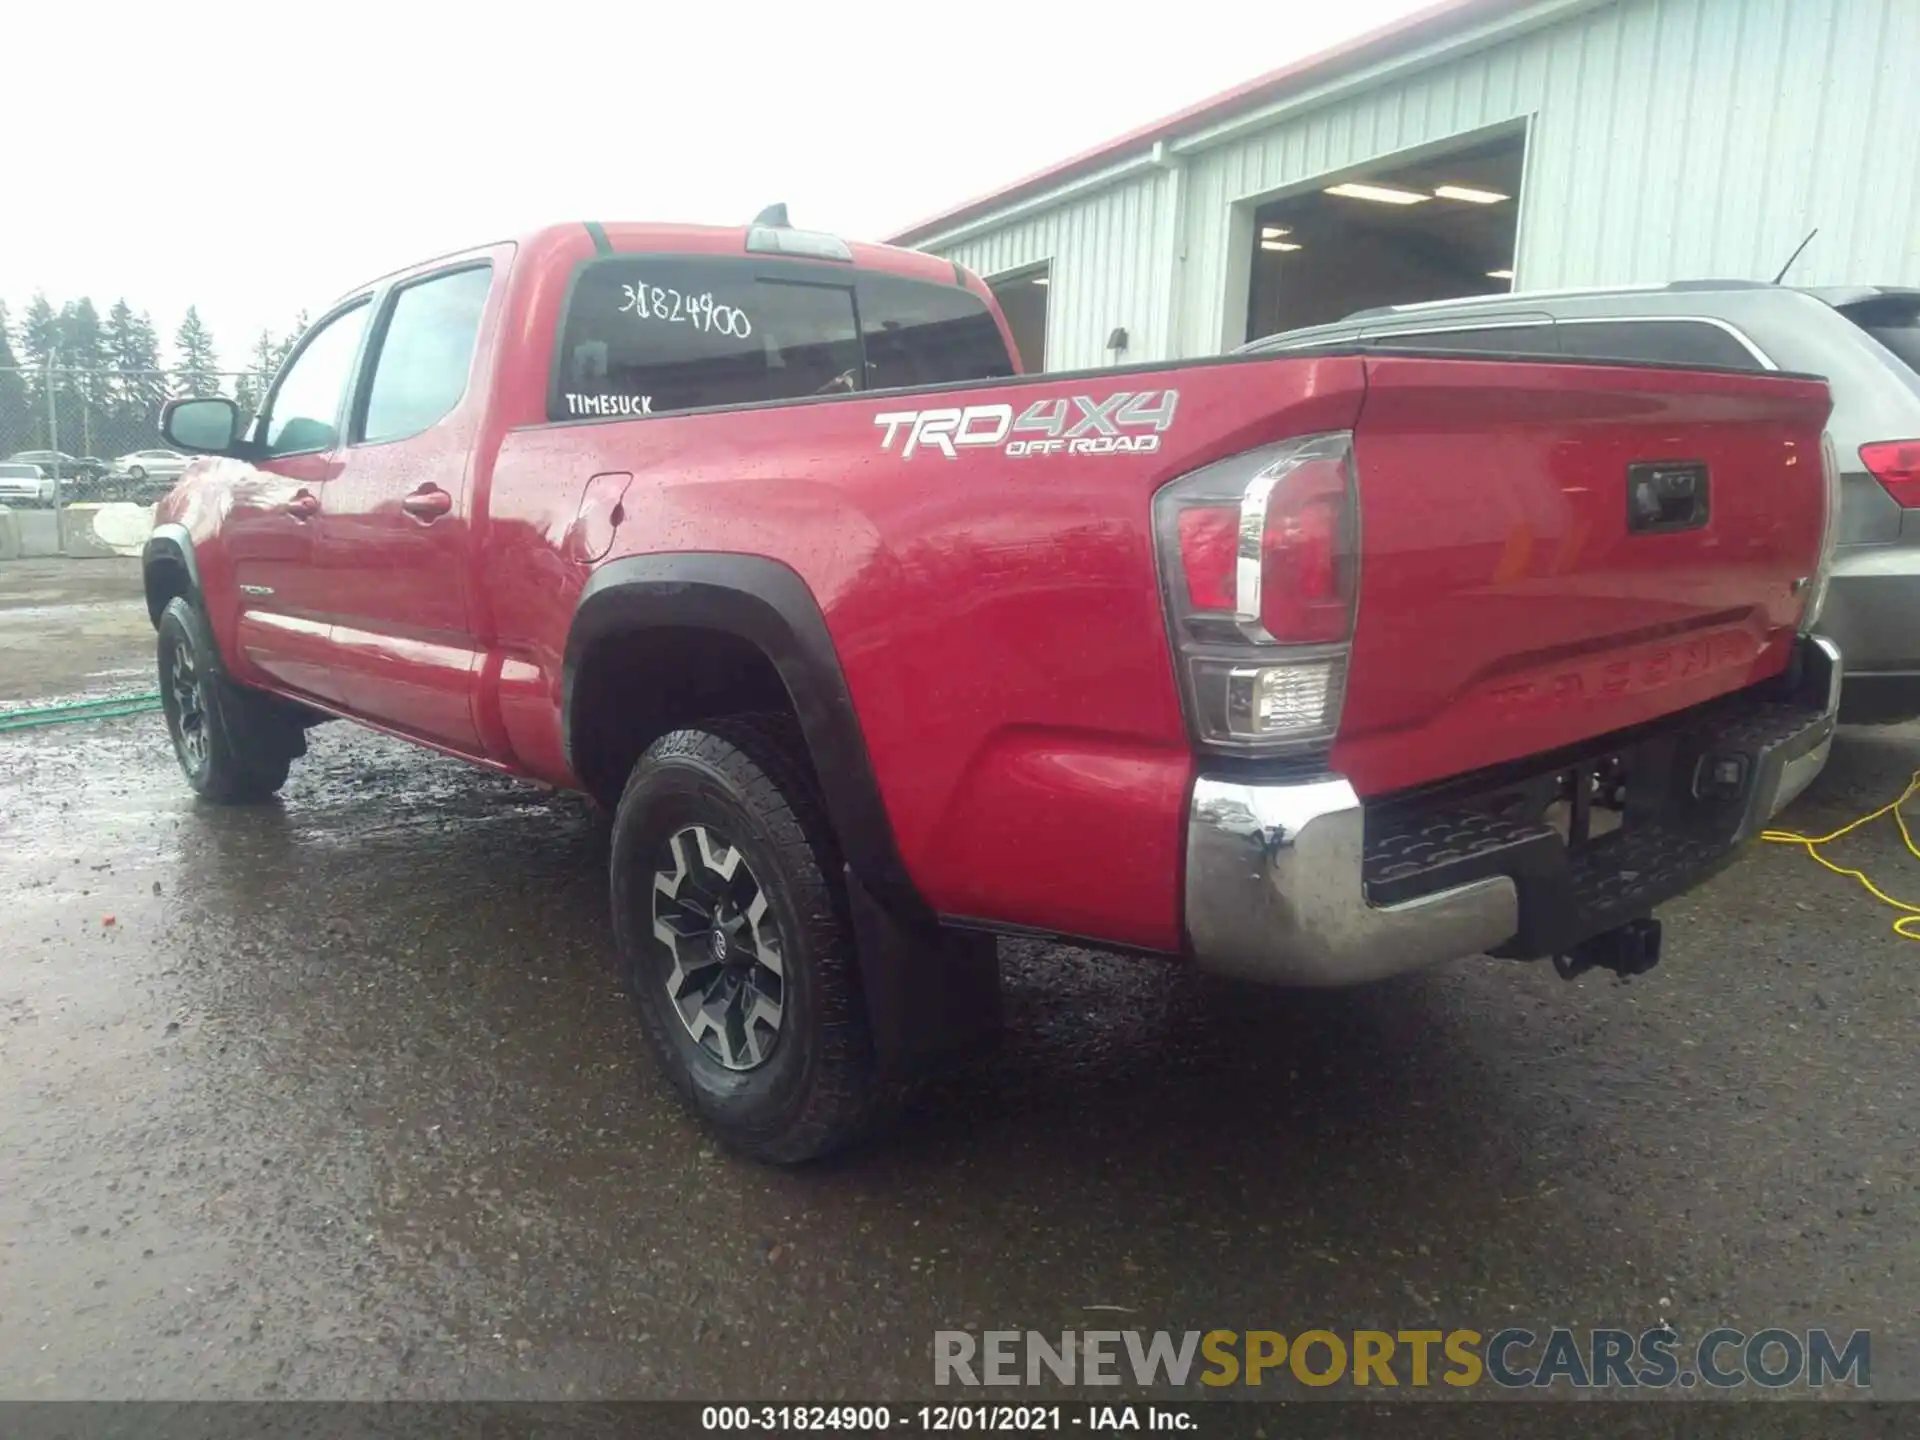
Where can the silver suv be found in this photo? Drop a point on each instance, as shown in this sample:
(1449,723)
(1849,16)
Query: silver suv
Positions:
(1865,339)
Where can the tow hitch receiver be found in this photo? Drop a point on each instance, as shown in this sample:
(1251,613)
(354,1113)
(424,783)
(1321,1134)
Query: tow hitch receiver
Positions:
(1629,949)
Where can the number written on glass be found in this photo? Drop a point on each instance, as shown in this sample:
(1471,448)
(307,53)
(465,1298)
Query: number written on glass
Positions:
(660,302)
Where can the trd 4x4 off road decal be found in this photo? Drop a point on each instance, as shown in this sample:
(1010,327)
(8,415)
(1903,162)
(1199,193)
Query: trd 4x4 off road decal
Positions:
(1066,425)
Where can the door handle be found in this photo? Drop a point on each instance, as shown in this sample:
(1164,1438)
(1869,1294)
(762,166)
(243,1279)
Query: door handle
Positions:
(429,503)
(303,506)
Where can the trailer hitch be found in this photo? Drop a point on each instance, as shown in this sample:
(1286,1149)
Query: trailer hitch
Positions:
(1632,948)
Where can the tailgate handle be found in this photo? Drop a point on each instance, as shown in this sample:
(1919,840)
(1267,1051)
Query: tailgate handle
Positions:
(1666,495)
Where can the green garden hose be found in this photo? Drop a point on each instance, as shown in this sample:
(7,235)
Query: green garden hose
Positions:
(105,707)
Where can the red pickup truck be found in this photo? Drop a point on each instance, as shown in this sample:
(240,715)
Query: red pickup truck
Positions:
(1310,669)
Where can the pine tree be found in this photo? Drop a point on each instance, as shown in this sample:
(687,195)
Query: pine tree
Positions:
(40,335)
(83,389)
(285,347)
(250,389)
(147,383)
(199,368)
(135,389)
(265,360)
(120,339)
(14,412)
(39,348)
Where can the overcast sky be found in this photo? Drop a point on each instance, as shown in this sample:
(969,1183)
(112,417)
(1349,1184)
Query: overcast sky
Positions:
(257,158)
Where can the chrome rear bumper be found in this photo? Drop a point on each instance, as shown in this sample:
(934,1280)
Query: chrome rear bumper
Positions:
(1276,878)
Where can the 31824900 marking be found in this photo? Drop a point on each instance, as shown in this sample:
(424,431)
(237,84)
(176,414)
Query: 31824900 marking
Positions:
(868,1418)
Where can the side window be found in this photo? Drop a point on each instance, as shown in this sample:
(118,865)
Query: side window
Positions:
(649,334)
(1663,342)
(922,334)
(304,412)
(420,371)
(1478,340)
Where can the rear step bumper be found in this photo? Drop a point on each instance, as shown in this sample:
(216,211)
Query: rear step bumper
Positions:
(1301,884)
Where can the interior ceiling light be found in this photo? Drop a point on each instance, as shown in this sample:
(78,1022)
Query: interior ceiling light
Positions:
(1499,274)
(1041,279)
(1469,194)
(1384,194)
(1278,245)
(1273,232)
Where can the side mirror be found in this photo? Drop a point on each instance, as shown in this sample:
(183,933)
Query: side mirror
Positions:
(207,427)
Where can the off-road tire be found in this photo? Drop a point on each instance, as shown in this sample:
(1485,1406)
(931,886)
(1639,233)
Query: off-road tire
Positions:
(745,780)
(246,740)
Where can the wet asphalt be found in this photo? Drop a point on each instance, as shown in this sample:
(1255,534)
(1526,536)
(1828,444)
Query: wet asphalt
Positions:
(340,1098)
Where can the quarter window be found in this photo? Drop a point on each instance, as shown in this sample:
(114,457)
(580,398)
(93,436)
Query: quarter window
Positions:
(1663,342)
(304,413)
(425,354)
(1481,340)
(1894,322)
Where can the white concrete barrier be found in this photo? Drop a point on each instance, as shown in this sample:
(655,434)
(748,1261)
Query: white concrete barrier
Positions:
(39,533)
(113,527)
(28,534)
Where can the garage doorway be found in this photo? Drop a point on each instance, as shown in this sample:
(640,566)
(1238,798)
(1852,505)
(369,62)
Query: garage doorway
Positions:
(1428,229)
(1023,300)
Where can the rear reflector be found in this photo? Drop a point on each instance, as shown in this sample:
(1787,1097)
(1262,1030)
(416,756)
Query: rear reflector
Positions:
(1896,465)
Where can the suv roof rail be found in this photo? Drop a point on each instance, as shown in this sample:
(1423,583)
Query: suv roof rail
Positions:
(1524,297)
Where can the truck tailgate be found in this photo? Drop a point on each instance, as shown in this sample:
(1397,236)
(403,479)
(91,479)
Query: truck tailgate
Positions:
(1512,600)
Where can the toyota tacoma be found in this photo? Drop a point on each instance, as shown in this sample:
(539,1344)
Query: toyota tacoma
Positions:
(1307,669)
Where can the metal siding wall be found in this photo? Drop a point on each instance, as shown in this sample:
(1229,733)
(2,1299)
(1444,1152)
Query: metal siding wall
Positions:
(1493,87)
(1688,138)
(1668,139)
(1107,270)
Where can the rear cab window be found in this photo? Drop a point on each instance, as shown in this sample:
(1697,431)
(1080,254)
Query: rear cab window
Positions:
(647,335)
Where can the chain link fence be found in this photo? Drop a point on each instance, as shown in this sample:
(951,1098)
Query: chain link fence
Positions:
(95,434)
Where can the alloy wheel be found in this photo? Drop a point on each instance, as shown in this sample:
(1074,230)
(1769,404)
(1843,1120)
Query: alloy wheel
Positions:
(727,981)
(184,687)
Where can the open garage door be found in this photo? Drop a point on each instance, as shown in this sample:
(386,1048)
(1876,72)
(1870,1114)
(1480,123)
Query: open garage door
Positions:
(1023,300)
(1429,229)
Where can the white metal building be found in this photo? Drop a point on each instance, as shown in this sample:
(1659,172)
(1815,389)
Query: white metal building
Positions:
(1622,141)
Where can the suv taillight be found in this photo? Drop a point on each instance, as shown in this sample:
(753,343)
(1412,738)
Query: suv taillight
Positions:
(1259,561)
(1896,465)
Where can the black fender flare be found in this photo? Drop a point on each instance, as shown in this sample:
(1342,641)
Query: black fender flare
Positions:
(768,605)
(168,544)
(932,992)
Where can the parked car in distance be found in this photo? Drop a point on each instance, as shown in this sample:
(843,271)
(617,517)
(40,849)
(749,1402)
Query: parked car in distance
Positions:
(166,465)
(876,648)
(1865,341)
(69,467)
(144,474)
(24,485)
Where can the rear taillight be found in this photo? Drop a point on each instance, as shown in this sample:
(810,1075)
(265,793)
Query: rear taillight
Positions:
(1829,534)
(1896,465)
(1259,559)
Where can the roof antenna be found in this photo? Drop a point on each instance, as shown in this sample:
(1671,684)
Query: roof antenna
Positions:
(1796,255)
(776,216)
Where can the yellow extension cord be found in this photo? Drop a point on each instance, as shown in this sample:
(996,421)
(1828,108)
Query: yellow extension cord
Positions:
(1910,914)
